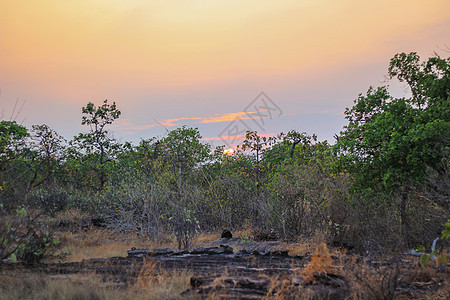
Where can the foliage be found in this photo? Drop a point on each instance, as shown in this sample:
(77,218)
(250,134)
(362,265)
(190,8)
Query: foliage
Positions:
(393,141)
(92,154)
(446,232)
(182,151)
(10,134)
(439,258)
(185,227)
(24,238)
(246,239)
(391,145)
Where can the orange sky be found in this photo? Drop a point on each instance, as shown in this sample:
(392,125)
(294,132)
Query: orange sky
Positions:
(183,59)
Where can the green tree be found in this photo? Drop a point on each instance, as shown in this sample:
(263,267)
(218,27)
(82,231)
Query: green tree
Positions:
(94,151)
(43,155)
(11,134)
(12,143)
(391,144)
(182,150)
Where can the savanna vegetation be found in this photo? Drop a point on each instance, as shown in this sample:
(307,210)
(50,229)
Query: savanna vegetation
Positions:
(381,187)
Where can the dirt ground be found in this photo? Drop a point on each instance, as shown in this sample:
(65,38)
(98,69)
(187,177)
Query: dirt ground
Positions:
(237,269)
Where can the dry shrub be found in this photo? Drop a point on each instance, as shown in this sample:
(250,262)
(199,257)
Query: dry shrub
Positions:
(160,284)
(148,275)
(369,282)
(299,248)
(321,262)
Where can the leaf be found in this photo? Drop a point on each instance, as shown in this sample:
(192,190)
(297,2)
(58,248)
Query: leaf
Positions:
(444,260)
(424,260)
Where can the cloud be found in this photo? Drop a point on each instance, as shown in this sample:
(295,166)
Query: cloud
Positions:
(127,125)
(229,117)
(171,122)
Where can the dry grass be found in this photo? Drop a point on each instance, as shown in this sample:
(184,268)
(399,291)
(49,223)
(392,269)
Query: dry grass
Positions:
(149,285)
(97,243)
(370,282)
(206,238)
(161,284)
(321,262)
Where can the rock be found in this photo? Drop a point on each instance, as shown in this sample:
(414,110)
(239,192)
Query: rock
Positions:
(133,252)
(282,253)
(99,222)
(223,249)
(181,252)
(161,251)
(226,234)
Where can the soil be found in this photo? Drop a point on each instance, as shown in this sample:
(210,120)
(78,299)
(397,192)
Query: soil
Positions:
(257,271)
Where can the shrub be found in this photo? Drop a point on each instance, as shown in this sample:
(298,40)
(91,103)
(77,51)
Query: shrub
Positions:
(24,238)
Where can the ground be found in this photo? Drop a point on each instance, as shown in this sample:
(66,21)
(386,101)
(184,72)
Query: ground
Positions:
(106,265)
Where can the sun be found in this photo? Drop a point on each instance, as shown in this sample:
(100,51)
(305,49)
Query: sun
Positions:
(228,152)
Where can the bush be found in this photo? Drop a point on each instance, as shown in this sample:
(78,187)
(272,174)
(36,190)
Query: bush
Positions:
(49,201)
(24,238)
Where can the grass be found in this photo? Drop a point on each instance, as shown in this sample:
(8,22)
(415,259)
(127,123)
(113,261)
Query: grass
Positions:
(96,243)
(151,283)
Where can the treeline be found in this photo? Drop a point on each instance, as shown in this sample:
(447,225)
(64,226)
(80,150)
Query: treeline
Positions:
(383,185)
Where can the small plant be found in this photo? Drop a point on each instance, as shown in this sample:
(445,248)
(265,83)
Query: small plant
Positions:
(440,258)
(24,238)
(246,239)
(446,232)
(185,228)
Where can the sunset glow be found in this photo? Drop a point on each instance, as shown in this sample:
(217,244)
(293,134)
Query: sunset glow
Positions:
(200,63)
(228,152)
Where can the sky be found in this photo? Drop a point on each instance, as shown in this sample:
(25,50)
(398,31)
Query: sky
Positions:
(223,66)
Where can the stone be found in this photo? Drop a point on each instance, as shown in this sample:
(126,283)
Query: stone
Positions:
(226,234)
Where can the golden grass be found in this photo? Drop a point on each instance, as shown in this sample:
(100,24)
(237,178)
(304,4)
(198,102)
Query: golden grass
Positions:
(206,238)
(97,243)
(149,285)
(321,262)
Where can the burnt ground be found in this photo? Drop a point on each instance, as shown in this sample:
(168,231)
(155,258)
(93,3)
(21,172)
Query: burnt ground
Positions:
(256,272)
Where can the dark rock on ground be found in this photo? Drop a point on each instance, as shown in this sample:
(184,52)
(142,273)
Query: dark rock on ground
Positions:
(226,234)
(133,252)
(223,249)
(243,244)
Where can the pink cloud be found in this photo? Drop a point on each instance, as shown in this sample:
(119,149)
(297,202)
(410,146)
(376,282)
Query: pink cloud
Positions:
(170,122)
(229,117)
(127,125)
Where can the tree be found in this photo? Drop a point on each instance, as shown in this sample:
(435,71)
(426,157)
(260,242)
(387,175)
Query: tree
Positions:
(10,134)
(12,141)
(391,144)
(182,151)
(42,155)
(96,149)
